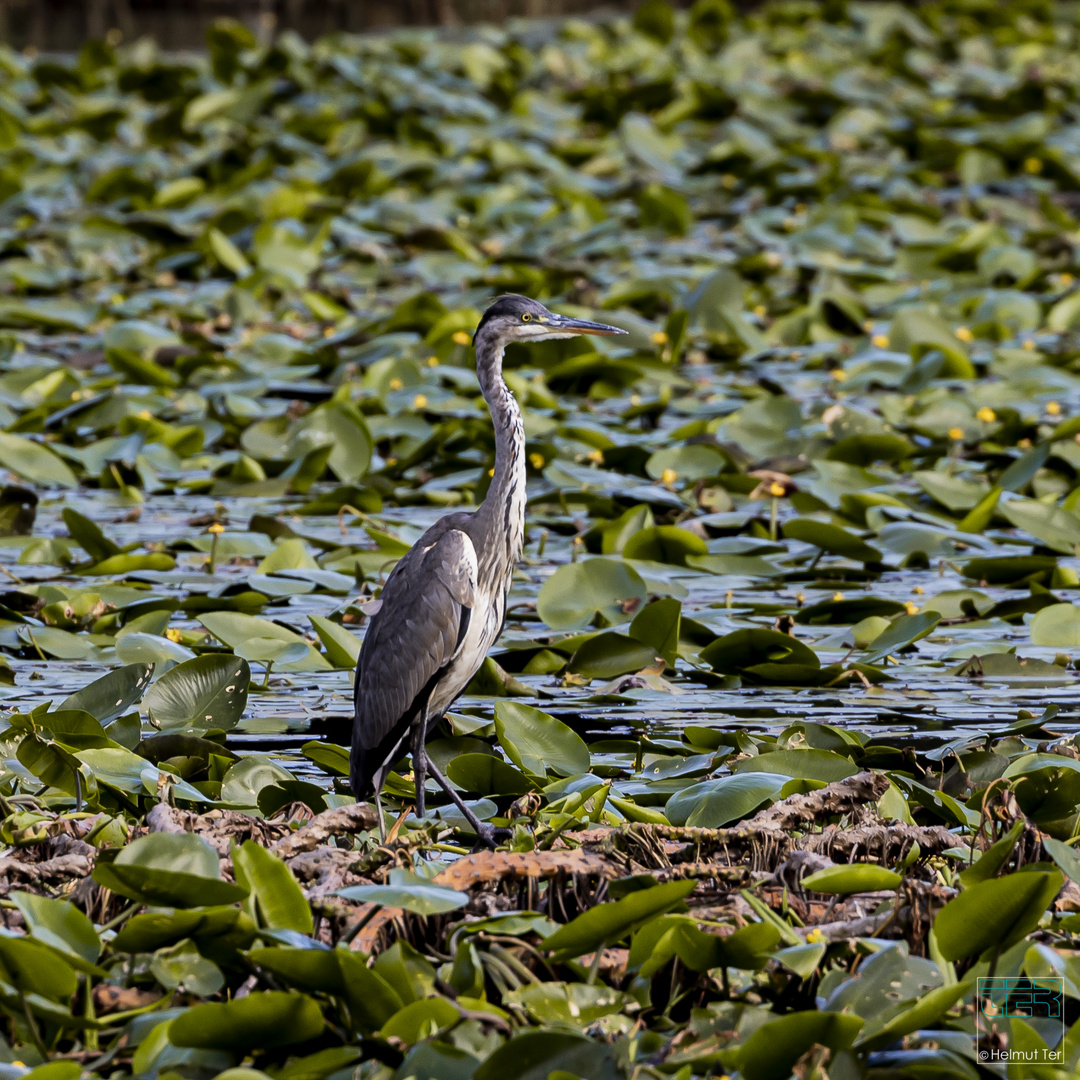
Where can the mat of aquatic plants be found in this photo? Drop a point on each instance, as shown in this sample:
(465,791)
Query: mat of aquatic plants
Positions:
(784,719)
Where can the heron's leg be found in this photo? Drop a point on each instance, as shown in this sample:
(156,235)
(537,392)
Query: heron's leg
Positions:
(379,810)
(487,834)
(419,768)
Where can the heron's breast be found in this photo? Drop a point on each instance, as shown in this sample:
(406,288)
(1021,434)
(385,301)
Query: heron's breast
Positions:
(484,627)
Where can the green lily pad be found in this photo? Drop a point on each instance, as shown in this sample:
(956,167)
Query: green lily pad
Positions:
(853,878)
(603,589)
(266,1020)
(206,692)
(168,870)
(741,649)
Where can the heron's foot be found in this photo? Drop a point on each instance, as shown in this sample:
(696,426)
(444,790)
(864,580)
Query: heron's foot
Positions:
(489,836)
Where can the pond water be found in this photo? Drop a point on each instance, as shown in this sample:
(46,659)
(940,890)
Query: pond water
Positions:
(925,706)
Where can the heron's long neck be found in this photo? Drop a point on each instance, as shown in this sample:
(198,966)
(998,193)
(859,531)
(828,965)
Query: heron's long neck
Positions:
(504,507)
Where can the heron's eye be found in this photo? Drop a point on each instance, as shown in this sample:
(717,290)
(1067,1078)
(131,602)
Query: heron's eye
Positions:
(526,317)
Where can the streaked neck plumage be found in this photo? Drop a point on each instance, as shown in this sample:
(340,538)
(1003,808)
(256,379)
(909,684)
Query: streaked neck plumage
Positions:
(502,514)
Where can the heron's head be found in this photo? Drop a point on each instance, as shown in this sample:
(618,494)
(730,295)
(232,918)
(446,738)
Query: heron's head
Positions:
(517,318)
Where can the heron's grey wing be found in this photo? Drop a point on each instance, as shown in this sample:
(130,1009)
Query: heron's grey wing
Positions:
(427,603)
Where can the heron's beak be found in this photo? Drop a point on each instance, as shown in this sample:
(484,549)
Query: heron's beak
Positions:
(565,325)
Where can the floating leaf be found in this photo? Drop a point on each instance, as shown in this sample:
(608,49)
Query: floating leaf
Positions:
(664,543)
(234,629)
(342,647)
(34,462)
(853,878)
(1057,625)
(597,588)
(277,898)
(778,1044)
(265,1020)
(608,923)
(904,631)
(714,803)
(61,926)
(408,892)
(1052,526)
(536,742)
(735,652)
(992,915)
(113,694)
(610,654)
(168,870)
(206,692)
(809,764)
(831,538)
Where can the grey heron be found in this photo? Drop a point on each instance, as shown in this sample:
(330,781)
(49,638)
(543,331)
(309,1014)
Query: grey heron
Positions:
(444,603)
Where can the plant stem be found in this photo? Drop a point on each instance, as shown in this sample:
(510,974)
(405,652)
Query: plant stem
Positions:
(350,935)
(31,1023)
(124,915)
(90,1041)
(594,970)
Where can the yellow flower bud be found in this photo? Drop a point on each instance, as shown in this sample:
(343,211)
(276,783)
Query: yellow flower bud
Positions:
(659,338)
(839,374)
(880,341)
(217,528)
(420,401)
(776,490)
(432,361)
(461,337)
(815,937)
(1053,408)
(837,597)
(986,415)
(536,461)
(669,477)
(964,334)
(396,384)
(956,434)
(1033,165)
(911,608)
